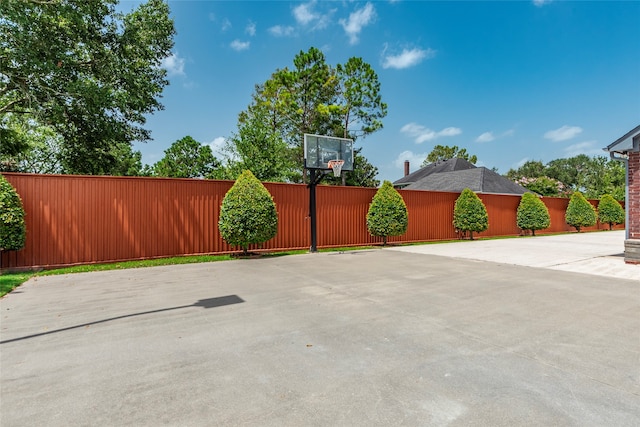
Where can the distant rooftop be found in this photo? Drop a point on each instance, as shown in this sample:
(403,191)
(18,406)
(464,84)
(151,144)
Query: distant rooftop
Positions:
(437,167)
(455,175)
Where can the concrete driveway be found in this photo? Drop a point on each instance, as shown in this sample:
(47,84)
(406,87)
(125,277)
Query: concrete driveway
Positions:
(600,253)
(377,337)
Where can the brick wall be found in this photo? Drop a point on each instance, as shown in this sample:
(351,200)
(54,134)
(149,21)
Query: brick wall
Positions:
(634,195)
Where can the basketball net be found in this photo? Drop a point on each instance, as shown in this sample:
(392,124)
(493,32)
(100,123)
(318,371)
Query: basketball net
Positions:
(336,165)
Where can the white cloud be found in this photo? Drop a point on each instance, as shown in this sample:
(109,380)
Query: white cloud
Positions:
(415,160)
(540,3)
(407,58)
(239,45)
(509,132)
(588,147)
(358,19)
(304,13)
(174,65)
(250,29)
(486,137)
(217,146)
(226,24)
(422,134)
(563,133)
(307,17)
(280,31)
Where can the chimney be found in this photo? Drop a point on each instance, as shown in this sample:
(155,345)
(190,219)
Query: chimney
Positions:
(406,167)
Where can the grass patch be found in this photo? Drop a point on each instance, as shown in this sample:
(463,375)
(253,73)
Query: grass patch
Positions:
(9,282)
(135,264)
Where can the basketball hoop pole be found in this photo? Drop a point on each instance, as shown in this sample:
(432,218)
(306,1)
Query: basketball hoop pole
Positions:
(312,211)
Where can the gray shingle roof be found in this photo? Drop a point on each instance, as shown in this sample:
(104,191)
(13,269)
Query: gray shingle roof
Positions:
(479,180)
(437,167)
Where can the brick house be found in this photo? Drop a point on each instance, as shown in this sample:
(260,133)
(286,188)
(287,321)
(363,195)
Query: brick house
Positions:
(627,150)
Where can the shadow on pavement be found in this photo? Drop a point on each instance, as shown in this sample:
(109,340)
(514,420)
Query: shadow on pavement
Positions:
(204,303)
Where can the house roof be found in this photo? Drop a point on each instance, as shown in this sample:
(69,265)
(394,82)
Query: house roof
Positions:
(628,142)
(479,180)
(437,167)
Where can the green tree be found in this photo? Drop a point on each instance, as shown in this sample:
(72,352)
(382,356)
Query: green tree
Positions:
(580,213)
(13,231)
(609,211)
(357,101)
(186,158)
(260,149)
(569,171)
(469,213)
(543,185)
(387,215)
(532,214)
(248,213)
(39,146)
(592,176)
(313,97)
(89,72)
(445,152)
(530,169)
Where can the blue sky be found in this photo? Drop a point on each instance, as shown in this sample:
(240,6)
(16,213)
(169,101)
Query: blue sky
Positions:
(509,81)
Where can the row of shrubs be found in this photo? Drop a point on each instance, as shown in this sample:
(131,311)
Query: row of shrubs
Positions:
(248,214)
(388,214)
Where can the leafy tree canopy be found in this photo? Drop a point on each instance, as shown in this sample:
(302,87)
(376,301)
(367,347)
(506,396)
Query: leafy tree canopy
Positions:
(609,211)
(248,213)
(470,213)
(187,158)
(387,215)
(445,152)
(12,226)
(592,176)
(580,213)
(314,97)
(87,72)
(532,213)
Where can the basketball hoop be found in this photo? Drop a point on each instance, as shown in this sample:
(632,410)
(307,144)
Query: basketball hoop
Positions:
(336,165)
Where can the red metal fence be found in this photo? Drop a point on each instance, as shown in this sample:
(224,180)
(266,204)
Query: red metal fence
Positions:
(92,219)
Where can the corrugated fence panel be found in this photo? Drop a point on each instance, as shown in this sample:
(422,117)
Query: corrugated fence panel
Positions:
(502,210)
(430,216)
(90,219)
(342,215)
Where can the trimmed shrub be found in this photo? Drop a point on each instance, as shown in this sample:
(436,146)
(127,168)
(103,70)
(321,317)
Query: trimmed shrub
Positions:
(248,213)
(609,211)
(387,214)
(580,213)
(532,213)
(470,214)
(13,232)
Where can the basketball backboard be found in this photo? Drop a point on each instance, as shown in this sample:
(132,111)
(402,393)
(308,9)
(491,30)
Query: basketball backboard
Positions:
(319,150)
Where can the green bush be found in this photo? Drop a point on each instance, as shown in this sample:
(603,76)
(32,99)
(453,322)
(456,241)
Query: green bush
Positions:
(12,228)
(387,214)
(470,214)
(580,213)
(248,213)
(532,213)
(610,211)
